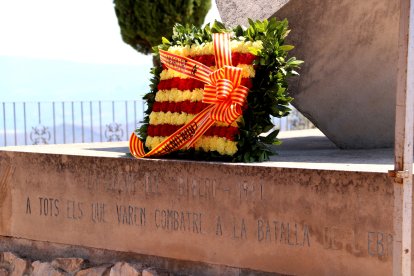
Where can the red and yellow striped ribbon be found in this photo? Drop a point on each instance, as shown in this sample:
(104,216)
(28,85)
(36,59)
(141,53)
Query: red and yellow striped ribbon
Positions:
(222,91)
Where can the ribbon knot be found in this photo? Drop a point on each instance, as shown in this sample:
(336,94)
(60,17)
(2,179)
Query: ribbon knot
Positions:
(223,89)
(226,93)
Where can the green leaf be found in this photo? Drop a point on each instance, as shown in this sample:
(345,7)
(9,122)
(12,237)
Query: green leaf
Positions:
(246,157)
(254,51)
(286,47)
(238,31)
(218,27)
(165,41)
(294,62)
(297,62)
(270,138)
(251,22)
(277,142)
(260,27)
(285,34)
(267,128)
(263,156)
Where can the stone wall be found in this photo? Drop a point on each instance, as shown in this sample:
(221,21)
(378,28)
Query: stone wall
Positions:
(29,256)
(13,265)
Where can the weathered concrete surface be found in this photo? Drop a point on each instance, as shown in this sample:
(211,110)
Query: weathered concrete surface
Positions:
(265,217)
(347,84)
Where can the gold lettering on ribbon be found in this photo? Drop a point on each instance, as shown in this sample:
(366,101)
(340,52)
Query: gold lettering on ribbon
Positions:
(182,137)
(176,62)
(194,71)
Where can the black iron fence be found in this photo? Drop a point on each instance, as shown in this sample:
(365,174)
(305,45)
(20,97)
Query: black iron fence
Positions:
(33,123)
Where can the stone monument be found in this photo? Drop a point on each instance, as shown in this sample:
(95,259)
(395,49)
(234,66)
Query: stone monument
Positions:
(312,210)
(348,82)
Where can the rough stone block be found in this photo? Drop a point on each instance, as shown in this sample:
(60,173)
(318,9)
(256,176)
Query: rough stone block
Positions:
(70,265)
(348,82)
(150,272)
(4,272)
(122,268)
(102,270)
(17,266)
(42,269)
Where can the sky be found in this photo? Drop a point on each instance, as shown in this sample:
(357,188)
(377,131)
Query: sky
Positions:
(69,39)
(76,30)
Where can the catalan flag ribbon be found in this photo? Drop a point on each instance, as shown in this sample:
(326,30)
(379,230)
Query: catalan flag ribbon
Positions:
(222,91)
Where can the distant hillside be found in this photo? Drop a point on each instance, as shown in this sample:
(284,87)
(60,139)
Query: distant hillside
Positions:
(26,79)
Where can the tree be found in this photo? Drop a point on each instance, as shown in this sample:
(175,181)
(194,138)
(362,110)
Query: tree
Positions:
(143,22)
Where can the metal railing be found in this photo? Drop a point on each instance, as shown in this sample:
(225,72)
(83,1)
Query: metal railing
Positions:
(33,123)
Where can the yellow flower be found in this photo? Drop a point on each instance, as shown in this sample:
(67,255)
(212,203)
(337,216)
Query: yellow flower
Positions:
(219,144)
(167,74)
(258,44)
(180,50)
(152,142)
(230,148)
(207,48)
(175,95)
(175,118)
(153,118)
(248,72)
(203,49)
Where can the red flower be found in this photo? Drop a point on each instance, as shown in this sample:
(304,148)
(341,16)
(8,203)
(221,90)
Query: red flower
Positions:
(235,58)
(247,82)
(219,131)
(156,131)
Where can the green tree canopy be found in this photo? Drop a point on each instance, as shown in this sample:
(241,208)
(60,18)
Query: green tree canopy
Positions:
(144,22)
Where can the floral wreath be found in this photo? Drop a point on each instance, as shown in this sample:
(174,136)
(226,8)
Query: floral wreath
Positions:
(215,91)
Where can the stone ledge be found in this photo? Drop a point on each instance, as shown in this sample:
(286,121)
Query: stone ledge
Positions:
(302,149)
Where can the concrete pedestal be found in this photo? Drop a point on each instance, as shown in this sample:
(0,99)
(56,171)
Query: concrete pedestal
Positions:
(312,210)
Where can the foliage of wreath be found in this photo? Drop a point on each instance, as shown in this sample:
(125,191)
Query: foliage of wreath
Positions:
(268,97)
